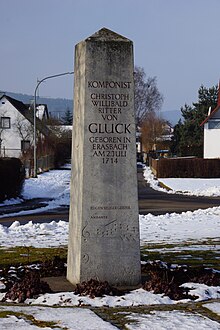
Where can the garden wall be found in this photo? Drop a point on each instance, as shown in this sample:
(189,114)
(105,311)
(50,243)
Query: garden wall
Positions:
(185,168)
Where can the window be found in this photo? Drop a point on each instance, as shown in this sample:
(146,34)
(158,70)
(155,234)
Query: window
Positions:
(214,124)
(5,122)
(25,145)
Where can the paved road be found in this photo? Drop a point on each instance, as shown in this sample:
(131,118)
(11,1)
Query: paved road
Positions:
(157,202)
(150,201)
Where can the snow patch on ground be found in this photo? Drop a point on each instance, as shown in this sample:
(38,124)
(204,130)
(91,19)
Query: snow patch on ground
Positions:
(170,320)
(196,187)
(134,298)
(169,228)
(187,186)
(74,318)
(52,184)
(214,307)
(202,291)
(12,201)
(41,235)
(186,226)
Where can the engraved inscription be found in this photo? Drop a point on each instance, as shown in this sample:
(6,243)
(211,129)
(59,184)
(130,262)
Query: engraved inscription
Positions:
(113,229)
(99,217)
(111,207)
(85,258)
(109,84)
(110,136)
(85,232)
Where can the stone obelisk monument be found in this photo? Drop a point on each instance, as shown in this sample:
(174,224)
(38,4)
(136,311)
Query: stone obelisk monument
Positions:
(104,239)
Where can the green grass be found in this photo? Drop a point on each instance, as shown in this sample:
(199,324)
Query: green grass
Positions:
(117,316)
(31,320)
(25,255)
(191,257)
(209,258)
(162,185)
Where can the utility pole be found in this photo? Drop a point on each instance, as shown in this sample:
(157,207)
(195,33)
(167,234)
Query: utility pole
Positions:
(35,104)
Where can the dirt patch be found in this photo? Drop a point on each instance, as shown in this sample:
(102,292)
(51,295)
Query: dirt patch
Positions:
(167,278)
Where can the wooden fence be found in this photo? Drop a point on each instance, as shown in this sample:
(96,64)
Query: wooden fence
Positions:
(44,163)
(185,167)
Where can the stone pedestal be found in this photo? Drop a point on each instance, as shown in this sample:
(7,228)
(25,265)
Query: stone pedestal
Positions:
(103,224)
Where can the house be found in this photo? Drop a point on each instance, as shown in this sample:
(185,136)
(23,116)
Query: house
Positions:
(212,131)
(167,132)
(41,112)
(16,126)
(155,138)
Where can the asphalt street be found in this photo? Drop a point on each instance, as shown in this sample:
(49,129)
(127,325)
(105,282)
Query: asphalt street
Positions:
(150,201)
(158,202)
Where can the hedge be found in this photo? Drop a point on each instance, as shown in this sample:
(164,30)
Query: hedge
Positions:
(12,176)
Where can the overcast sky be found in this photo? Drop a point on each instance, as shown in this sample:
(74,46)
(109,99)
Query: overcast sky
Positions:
(175,40)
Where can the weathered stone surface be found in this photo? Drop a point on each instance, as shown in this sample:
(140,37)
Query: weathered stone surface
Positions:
(104,230)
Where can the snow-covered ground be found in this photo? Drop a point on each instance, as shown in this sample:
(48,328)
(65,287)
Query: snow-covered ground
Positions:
(170,228)
(197,226)
(170,320)
(52,185)
(62,318)
(85,319)
(187,186)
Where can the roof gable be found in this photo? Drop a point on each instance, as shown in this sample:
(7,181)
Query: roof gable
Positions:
(211,115)
(28,113)
(17,104)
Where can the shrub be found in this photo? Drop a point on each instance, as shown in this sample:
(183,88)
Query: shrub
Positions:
(12,175)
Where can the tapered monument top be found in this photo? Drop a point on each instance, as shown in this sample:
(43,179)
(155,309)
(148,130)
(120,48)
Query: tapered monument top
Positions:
(107,35)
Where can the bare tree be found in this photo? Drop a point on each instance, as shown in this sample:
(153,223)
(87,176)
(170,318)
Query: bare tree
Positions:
(147,98)
(152,129)
(24,128)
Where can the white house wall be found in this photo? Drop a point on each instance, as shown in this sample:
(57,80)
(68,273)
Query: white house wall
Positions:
(211,142)
(11,139)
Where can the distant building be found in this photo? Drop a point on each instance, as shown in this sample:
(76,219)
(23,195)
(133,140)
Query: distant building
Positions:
(41,111)
(212,132)
(167,133)
(16,126)
(158,144)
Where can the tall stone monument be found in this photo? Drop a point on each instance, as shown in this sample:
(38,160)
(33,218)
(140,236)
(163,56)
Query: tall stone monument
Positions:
(104,239)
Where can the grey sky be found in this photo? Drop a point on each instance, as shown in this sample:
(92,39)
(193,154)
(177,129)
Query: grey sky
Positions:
(175,40)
